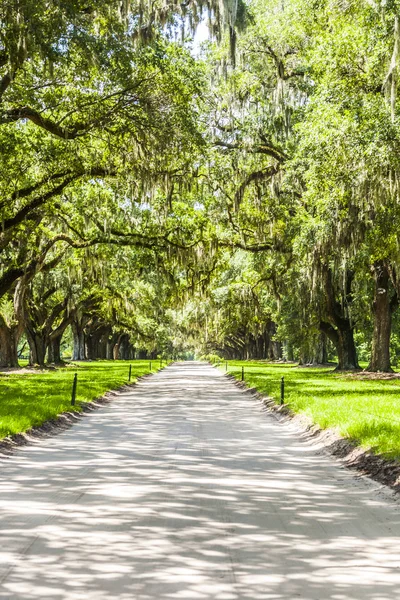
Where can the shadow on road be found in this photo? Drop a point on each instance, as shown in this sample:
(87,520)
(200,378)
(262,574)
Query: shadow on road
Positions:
(184,489)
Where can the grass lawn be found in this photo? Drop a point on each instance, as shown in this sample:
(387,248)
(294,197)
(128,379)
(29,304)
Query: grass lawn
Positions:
(365,410)
(28,399)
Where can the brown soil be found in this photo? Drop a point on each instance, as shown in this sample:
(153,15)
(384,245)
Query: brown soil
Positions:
(370,375)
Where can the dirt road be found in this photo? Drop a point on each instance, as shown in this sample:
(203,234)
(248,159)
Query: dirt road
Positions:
(185,488)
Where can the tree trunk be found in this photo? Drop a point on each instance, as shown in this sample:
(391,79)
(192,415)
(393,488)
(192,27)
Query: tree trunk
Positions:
(78,341)
(102,345)
(11,334)
(54,350)
(117,347)
(37,346)
(90,346)
(9,338)
(346,349)
(315,352)
(55,338)
(343,340)
(277,350)
(110,347)
(383,308)
(323,350)
(339,328)
(289,350)
(96,336)
(111,342)
(125,348)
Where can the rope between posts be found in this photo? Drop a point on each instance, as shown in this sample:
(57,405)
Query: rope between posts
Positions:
(360,411)
(365,412)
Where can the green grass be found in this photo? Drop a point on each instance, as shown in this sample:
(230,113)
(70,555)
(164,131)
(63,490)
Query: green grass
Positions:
(29,399)
(364,410)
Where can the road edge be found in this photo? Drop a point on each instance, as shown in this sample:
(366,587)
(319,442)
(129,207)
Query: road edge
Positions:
(365,462)
(63,421)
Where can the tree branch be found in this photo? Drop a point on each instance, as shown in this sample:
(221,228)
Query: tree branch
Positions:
(255,176)
(24,212)
(25,112)
(8,278)
(249,247)
(269,149)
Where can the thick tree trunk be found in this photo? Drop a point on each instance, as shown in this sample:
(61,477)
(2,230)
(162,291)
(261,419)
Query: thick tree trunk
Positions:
(111,342)
(383,308)
(54,350)
(9,338)
(90,346)
(343,340)
(33,316)
(55,338)
(304,358)
(102,345)
(110,347)
(96,336)
(117,347)
(11,334)
(277,350)
(339,328)
(314,352)
(346,349)
(78,334)
(37,345)
(125,348)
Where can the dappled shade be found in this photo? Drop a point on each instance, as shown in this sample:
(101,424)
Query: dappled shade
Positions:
(185,488)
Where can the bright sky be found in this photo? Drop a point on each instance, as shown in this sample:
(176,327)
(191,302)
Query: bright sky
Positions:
(202,34)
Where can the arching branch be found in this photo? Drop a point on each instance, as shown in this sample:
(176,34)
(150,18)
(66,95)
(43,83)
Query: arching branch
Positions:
(261,175)
(268,149)
(40,200)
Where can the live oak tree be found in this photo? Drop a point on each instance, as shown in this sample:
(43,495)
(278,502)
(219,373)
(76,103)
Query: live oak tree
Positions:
(255,187)
(309,118)
(349,148)
(82,101)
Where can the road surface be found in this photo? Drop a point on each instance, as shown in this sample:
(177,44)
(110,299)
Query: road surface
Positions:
(185,488)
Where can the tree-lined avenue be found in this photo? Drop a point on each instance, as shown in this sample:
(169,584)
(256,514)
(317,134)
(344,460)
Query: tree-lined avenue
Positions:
(185,487)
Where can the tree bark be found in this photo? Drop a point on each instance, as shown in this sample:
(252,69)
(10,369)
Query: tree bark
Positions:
(383,308)
(79,352)
(339,328)
(323,350)
(54,350)
(55,338)
(96,335)
(117,346)
(9,338)
(343,340)
(37,345)
(289,351)
(125,347)
(10,334)
(111,342)
(314,351)
(102,344)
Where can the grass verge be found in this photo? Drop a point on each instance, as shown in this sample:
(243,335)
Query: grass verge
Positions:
(366,411)
(28,399)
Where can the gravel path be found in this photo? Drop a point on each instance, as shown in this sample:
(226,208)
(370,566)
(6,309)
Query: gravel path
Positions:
(185,488)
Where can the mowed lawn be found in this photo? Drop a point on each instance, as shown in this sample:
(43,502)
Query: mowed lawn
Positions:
(29,399)
(365,410)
